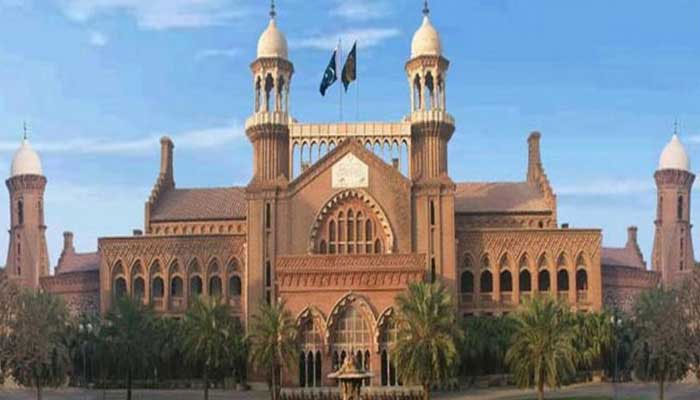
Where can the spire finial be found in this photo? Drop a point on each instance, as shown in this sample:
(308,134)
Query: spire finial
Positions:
(426,9)
(24,126)
(273,13)
(675,127)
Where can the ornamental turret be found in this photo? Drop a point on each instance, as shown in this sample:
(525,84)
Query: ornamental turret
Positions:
(268,127)
(432,126)
(673,253)
(431,130)
(27,254)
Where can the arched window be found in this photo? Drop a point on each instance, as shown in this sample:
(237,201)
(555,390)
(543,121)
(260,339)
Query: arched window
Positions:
(158,289)
(543,284)
(195,285)
(562,280)
(417,98)
(139,288)
(467,282)
(176,287)
(433,272)
(430,96)
(680,207)
(215,286)
(525,281)
(581,280)
(120,287)
(349,226)
(331,236)
(319,369)
(506,281)
(302,369)
(269,84)
(20,212)
(234,286)
(486,282)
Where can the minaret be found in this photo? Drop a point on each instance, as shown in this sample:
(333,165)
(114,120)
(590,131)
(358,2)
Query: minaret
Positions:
(673,253)
(268,131)
(431,130)
(27,255)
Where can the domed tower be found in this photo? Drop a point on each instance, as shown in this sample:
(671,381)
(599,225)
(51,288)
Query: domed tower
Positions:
(673,253)
(268,131)
(27,255)
(431,130)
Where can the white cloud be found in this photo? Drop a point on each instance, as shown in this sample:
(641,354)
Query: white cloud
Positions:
(693,139)
(157,14)
(607,187)
(210,53)
(361,10)
(365,38)
(194,140)
(98,39)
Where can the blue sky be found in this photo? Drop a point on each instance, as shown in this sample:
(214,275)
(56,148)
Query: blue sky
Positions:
(99,81)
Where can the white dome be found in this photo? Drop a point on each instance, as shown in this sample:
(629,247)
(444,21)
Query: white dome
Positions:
(26,161)
(272,42)
(426,40)
(674,156)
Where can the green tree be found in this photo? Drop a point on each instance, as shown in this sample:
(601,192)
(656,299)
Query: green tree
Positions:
(427,335)
(38,352)
(594,336)
(168,350)
(542,351)
(8,302)
(486,340)
(127,338)
(211,337)
(273,342)
(662,351)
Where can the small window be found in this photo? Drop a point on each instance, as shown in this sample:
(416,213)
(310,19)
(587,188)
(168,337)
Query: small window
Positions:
(20,212)
(680,207)
(268,216)
(176,287)
(432,212)
(486,282)
(268,274)
(234,286)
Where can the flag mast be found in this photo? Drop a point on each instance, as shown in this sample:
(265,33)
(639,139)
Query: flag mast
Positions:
(357,80)
(340,88)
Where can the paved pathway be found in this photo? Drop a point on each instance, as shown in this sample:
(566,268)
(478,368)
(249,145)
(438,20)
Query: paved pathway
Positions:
(627,391)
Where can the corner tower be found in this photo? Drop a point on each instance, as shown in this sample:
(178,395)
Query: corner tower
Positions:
(673,253)
(268,131)
(27,255)
(431,130)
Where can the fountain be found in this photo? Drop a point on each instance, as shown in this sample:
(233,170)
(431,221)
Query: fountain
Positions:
(350,377)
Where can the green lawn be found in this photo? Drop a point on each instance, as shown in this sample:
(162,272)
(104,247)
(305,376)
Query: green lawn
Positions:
(593,398)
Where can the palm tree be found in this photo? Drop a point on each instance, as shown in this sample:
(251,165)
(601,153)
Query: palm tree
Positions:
(425,349)
(211,337)
(542,351)
(273,341)
(127,337)
(595,335)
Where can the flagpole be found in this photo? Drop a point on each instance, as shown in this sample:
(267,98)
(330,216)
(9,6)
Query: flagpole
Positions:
(357,79)
(340,87)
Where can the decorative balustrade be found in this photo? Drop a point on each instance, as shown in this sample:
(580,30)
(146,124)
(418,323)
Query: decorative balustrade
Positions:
(507,298)
(177,304)
(582,296)
(563,295)
(485,298)
(525,296)
(157,303)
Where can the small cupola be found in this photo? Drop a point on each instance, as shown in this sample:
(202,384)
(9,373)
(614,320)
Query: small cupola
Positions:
(674,156)
(272,42)
(26,160)
(426,40)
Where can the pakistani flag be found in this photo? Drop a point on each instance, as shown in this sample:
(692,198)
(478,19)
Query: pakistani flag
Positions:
(331,74)
(350,68)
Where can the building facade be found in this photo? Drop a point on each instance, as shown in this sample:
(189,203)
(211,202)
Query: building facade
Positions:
(339,218)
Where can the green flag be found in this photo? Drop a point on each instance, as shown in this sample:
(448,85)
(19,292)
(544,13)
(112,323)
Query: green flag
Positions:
(350,68)
(331,74)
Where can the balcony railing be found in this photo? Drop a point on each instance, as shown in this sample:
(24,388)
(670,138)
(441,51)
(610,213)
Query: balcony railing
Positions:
(466,298)
(507,298)
(235,301)
(157,303)
(177,304)
(485,298)
(563,295)
(582,296)
(525,296)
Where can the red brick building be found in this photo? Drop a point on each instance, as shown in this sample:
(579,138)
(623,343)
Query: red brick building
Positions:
(338,218)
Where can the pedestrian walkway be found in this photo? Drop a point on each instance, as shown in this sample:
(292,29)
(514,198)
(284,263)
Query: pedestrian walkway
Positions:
(627,391)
